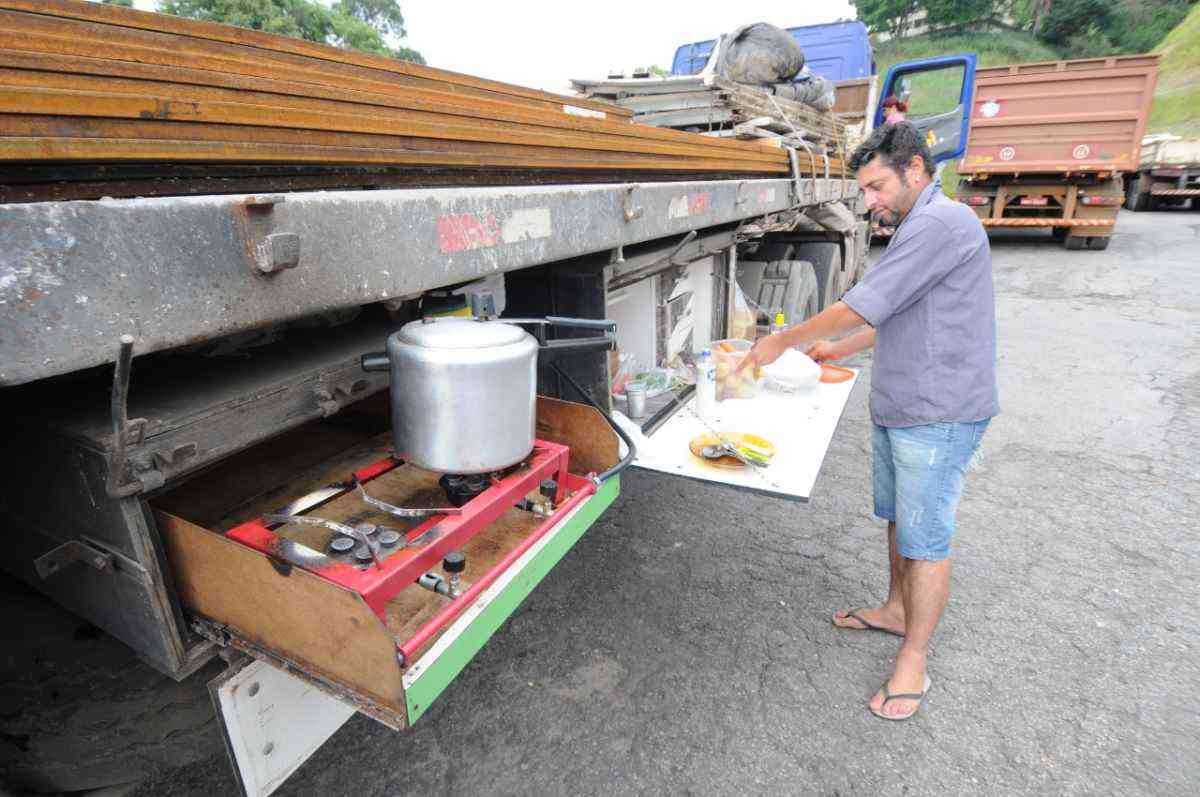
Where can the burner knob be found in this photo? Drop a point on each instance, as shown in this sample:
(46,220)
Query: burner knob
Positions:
(455,562)
(548,489)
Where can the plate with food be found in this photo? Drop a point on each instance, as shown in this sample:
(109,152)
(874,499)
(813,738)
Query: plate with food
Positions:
(749,450)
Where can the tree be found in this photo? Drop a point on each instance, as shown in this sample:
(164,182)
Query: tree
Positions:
(1066,19)
(891,16)
(952,12)
(370,26)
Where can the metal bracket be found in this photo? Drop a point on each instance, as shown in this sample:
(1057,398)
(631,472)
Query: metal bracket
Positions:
(70,552)
(632,211)
(679,248)
(332,397)
(266,251)
(794,161)
(165,457)
(125,431)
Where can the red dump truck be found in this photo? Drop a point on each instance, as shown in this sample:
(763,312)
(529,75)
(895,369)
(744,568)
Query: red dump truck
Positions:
(1050,144)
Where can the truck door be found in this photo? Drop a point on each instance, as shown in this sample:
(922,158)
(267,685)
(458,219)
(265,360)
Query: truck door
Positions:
(939,93)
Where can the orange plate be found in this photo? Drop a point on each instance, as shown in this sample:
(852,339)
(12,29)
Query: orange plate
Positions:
(737,438)
(832,374)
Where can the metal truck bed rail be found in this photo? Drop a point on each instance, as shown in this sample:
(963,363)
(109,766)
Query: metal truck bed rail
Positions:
(74,276)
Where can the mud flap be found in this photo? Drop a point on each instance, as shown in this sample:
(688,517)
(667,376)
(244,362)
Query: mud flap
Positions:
(272,722)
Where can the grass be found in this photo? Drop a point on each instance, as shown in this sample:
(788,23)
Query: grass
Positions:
(1177,98)
(991,49)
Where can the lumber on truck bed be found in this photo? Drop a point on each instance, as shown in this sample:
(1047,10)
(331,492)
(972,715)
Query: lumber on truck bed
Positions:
(721,108)
(183,101)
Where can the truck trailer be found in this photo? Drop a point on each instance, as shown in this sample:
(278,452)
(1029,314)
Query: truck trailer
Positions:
(203,456)
(1051,143)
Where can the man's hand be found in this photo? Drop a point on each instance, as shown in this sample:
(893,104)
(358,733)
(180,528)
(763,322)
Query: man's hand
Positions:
(824,350)
(764,352)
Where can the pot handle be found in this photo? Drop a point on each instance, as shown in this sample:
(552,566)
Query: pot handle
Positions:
(375,361)
(607,341)
(582,323)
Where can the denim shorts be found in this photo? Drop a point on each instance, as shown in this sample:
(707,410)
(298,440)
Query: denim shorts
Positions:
(918,474)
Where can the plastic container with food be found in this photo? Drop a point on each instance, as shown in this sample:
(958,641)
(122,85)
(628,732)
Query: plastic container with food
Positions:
(727,355)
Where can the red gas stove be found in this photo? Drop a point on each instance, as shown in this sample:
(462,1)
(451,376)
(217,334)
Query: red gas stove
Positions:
(396,558)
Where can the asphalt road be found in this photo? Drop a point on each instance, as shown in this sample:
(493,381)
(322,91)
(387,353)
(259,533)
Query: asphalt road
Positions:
(684,645)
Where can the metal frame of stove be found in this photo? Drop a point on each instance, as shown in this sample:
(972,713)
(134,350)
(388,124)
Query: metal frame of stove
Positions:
(378,584)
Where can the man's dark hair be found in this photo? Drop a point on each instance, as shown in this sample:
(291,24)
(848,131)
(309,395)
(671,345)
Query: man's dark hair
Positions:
(895,144)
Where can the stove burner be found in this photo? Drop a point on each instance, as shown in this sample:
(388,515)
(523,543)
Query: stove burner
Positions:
(461,489)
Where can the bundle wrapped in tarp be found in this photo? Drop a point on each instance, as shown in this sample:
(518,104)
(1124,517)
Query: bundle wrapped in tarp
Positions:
(759,54)
(808,88)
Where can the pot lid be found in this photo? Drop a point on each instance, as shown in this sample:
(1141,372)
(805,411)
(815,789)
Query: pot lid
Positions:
(461,333)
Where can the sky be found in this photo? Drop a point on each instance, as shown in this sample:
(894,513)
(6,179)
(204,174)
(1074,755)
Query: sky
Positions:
(543,44)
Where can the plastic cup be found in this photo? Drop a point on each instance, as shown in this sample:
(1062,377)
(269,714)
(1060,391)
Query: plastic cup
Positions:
(635,397)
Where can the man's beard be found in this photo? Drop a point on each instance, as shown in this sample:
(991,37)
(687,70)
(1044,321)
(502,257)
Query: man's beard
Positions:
(891,217)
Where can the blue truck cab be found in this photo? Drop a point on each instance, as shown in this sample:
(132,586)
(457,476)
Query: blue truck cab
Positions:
(835,51)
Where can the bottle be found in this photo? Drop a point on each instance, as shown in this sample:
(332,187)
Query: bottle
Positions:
(706,386)
(779,325)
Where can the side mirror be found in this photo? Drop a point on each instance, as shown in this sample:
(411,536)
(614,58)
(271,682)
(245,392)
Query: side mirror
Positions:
(939,92)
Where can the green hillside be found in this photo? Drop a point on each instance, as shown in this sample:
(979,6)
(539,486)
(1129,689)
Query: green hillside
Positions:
(993,49)
(1177,99)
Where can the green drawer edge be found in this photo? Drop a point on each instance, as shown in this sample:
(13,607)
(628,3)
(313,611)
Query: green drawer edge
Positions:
(430,684)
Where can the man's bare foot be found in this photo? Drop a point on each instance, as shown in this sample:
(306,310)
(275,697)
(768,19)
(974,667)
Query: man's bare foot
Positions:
(908,678)
(882,619)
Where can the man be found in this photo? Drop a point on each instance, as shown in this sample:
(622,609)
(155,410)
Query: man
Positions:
(929,310)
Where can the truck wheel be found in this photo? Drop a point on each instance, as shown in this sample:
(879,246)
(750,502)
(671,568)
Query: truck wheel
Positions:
(1135,200)
(1058,233)
(1098,242)
(1142,202)
(1075,242)
(79,711)
(771,250)
(807,301)
(826,259)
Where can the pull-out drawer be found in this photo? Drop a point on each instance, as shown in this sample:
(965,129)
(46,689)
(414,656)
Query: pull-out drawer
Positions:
(296,605)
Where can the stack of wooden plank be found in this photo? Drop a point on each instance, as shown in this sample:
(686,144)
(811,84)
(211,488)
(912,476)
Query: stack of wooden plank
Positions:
(715,106)
(102,100)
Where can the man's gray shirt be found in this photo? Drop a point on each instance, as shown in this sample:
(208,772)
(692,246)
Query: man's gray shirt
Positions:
(931,301)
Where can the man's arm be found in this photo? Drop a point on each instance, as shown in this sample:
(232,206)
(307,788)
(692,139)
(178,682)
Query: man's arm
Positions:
(833,320)
(848,346)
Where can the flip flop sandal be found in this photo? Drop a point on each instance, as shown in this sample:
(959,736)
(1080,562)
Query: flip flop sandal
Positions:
(869,626)
(888,696)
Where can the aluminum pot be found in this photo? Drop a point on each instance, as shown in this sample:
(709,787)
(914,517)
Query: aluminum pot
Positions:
(463,393)
(464,390)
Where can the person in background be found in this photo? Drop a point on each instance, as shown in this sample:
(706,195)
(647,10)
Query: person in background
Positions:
(894,109)
(928,308)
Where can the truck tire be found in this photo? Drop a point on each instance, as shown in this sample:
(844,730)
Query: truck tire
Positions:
(807,302)
(771,250)
(1135,200)
(826,259)
(1059,233)
(79,711)
(1098,242)
(1075,242)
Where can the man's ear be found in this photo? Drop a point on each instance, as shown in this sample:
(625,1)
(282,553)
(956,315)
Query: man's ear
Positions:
(917,163)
